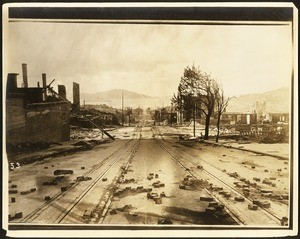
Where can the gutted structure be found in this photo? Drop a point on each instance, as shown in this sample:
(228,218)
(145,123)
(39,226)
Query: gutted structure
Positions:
(35,114)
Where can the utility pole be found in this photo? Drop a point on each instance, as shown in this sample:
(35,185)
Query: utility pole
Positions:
(122,109)
(194,128)
(171,120)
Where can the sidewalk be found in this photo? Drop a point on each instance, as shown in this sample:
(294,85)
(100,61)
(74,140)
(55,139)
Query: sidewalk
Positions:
(52,151)
(280,151)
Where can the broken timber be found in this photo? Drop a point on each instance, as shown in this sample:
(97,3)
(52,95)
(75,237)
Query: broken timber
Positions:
(97,126)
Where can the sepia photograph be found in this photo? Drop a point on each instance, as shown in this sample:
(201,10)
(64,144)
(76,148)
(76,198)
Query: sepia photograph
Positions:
(161,119)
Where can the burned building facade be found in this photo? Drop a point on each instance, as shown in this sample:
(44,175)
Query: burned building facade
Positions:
(35,114)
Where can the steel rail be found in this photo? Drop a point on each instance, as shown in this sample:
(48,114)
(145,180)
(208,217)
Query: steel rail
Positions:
(35,212)
(213,176)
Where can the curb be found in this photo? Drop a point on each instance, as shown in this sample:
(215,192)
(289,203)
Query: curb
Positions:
(248,150)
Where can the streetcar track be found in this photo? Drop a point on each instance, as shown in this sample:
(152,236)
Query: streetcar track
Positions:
(91,186)
(211,175)
(34,214)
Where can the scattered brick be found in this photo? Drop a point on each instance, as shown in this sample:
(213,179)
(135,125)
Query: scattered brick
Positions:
(212,204)
(82,167)
(14,216)
(63,189)
(149,177)
(164,221)
(285,196)
(264,204)
(227,195)
(276,196)
(252,206)
(181,186)
(33,190)
(162,194)
(206,199)
(253,184)
(113,212)
(104,179)
(266,194)
(45,167)
(239,199)
(47,198)
(284,221)
(62,171)
(266,170)
(200,167)
(12,200)
(272,178)
(139,187)
(158,200)
(156,175)
(86,214)
(253,167)
(256,179)
(25,192)
(210,210)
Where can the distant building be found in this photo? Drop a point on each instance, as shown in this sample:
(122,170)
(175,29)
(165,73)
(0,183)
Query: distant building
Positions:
(277,117)
(238,118)
(33,115)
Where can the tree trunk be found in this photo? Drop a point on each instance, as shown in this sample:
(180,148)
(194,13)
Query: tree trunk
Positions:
(207,119)
(218,128)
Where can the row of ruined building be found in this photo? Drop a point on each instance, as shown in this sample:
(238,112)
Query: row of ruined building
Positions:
(37,115)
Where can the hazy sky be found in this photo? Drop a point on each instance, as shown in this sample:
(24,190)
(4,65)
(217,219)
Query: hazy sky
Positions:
(150,59)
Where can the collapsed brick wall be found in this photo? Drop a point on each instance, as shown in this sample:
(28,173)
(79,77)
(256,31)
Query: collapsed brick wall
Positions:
(37,123)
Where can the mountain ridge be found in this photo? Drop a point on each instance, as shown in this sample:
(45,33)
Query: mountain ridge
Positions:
(277,101)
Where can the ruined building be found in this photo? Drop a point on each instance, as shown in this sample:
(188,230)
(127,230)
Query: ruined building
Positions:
(35,114)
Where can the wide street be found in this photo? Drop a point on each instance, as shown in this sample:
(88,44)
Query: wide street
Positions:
(149,176)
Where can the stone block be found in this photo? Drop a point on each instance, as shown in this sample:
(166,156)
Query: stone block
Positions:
(210,210)
(17,215)
(256,179)
(158,200)
(252,206)
(212,204)
(227,195)
(239,199)
(25,192)
(264,204)
(206,199)
(181,186)
(47,198)
(63,189)
(285,196)
(13,191)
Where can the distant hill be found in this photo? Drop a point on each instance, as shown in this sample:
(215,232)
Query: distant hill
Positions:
(112,95)
(113,98)
(277,101)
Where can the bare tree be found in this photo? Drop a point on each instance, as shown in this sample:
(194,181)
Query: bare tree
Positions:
(198,87)
(221,104)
